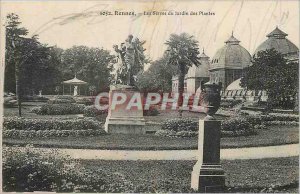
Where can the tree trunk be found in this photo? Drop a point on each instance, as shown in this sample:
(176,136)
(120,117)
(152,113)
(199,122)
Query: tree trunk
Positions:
(18,89)
(180,87)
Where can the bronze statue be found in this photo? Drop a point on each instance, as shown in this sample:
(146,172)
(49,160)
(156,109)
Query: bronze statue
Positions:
(131,55)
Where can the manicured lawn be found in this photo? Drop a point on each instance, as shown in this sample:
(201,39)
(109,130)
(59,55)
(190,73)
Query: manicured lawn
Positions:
(275,135)
(280,174)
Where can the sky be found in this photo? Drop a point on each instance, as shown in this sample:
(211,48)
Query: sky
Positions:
(69,23)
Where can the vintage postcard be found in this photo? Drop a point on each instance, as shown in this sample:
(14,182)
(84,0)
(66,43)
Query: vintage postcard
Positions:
(158,96)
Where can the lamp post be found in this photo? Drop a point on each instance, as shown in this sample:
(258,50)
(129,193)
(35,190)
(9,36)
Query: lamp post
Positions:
(207,174)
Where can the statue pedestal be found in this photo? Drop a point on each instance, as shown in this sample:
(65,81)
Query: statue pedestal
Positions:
(208,175)
(121,120)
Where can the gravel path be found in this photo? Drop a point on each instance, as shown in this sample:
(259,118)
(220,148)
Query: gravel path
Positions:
(226,154)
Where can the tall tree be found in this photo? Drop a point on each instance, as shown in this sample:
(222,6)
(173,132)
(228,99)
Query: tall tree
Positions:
(14,54)
(93,65)
(29,64)
(158,77)
(183,51)
(271,72)
(40,70)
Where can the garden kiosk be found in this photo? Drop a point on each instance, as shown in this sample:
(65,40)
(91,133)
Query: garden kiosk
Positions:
(74,82)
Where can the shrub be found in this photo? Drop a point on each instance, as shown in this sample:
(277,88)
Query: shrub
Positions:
(60,109)
(61,100)
(21,127)
(92,111)
(28,170)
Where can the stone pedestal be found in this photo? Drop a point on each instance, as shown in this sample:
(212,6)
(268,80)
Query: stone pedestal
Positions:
(121,120)
(208,175)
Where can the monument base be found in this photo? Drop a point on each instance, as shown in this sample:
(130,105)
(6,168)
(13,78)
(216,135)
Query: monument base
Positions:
(208,178)
(125,125)
(122,119)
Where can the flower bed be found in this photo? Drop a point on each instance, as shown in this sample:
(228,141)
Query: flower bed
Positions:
(183,124)
(21,127)
(189,128)
(239,126)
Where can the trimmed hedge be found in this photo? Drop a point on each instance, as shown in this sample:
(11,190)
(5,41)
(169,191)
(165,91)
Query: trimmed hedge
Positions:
(21,127)
(59,109)
(92,111)
(20,123)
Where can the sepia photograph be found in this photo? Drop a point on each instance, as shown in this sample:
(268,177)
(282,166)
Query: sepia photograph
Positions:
(157,96)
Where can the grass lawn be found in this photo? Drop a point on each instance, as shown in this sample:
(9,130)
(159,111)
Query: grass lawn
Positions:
(280,174)
(275,135)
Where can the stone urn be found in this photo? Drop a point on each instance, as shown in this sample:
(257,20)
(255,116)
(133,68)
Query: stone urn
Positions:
(211,98)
